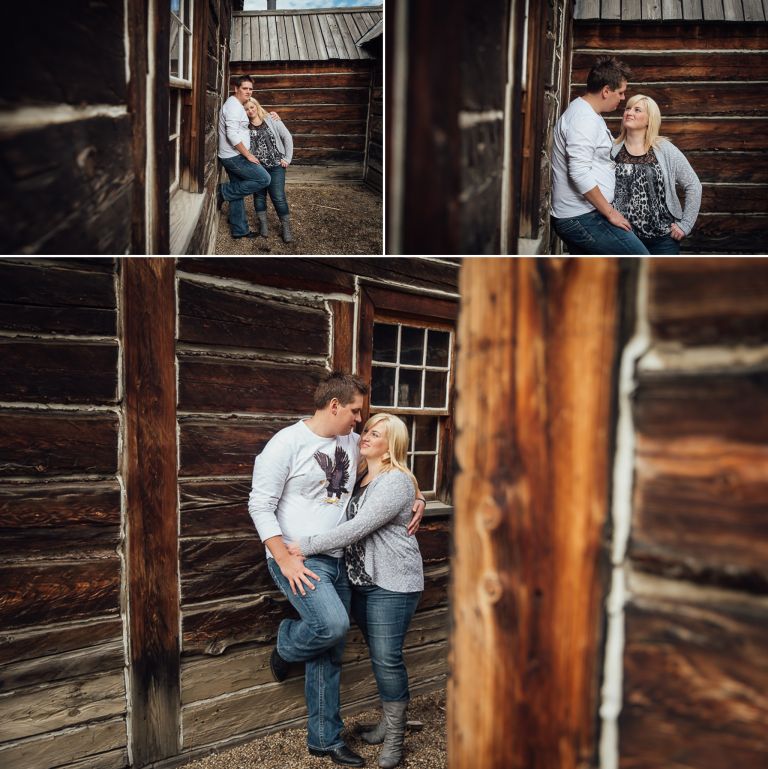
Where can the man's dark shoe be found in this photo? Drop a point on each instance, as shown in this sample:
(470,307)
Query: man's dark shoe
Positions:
(219,198)
(250,234)
(278,666)
(341,755)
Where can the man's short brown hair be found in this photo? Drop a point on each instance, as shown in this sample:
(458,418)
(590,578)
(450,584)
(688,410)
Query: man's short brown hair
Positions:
(344,387)
(607,71)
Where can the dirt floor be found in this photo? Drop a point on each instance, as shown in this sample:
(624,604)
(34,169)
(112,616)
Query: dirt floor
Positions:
(326,218)
(424,749)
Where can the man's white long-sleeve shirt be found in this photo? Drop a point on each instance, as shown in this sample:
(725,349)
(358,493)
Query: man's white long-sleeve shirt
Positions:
(302,483)
(581,160)
(233,128)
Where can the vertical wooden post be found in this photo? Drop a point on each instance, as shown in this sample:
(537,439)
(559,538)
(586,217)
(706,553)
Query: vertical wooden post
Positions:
(535,382)
(150,470)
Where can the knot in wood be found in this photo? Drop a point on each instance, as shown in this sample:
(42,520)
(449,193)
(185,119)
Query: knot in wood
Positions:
(492,587)
(490,514)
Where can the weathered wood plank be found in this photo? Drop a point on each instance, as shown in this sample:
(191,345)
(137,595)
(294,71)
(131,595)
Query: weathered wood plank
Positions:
(633,36)
(215,507)
(103,742)
(295,69)
(43,709)
(530,512)
(312,95)
(47,443)
(709,301)
(49,299)
(57,520)
(58,592)
(333,113)
(309,36)
(718,133)
(728,234)
(434,538)
(58,372)
(213,316)
(735,198)
(733,10)
(149,315)
(215,448)
(695,677)
(220,385)
(343,335)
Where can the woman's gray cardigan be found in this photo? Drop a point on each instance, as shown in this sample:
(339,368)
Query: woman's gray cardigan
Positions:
(392,556)
(676,170)
(283,137)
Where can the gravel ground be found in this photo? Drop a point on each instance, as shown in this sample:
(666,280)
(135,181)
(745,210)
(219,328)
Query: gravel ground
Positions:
(424,749)
(326,219)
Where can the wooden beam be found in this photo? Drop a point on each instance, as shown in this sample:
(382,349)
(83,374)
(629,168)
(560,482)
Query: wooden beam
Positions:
(149,470)
(533,460)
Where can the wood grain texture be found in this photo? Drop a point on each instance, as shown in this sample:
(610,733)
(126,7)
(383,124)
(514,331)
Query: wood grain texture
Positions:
(149,314)
(58,372)
(530,496)
(709,301)
(57,300)
(695,677)
(343,328)
(215,507)
(628,36)
(210,315)
(220,386)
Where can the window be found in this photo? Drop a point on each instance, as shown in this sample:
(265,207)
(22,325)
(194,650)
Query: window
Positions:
(406,352)
(181,82)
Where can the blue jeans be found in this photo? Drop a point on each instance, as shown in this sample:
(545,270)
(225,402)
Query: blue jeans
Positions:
(665,244)
(245,178)
(276,191)
(384,616)
(317,639)
(592,233)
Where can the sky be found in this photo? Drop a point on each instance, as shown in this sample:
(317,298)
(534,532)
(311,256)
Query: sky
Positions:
(261,5)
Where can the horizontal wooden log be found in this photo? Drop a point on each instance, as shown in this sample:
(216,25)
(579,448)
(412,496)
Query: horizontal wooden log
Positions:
(209,315)
(329,157)
(214,448)
(320,113)
(715,134)
(307,97)
(17,645)
(58,667)
(206,677)
(709,301)
(272,704)
(58,372)
(434,538)
(324,141)
(728,234)
(226,568)
(73,198)
(102,743)
(48,443)
(56,300)
(69,521)
(734,199)
(215,507)
(660,66)
(263,84)
(58,592)
(219,385)
(695,677)
(302,128)
(635,37)
(292,68)
(743,167)
(46,708)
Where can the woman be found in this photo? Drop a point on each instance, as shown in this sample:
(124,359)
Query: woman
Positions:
(648,167)
(272,144)
(384,566)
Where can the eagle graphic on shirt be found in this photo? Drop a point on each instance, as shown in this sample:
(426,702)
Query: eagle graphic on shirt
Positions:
(336,473)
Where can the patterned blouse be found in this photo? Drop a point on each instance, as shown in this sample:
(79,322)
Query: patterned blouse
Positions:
(355,553)
(264,146)
(640,194)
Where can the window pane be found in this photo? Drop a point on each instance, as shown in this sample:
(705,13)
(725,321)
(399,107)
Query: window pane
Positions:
(426,434)
(410,388)
(412,346)
(382,386)
(424,470)
(438,343)
(175,5)
(173,109)
(172,151)
(175,41)
(384,343)
(435,389)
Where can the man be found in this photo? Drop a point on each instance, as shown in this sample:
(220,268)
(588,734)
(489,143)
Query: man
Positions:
(246,174)
(583,176)
(302,482)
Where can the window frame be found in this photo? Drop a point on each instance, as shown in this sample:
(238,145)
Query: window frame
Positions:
(391,306)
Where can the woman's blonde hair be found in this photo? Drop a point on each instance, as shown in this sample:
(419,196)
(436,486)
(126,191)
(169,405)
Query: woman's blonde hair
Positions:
(396,457)
(260,111)
(652,138)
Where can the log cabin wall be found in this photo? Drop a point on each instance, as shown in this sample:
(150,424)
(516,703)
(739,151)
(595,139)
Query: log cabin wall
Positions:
(696,620)
(374,146)
(308,67)
(705,65)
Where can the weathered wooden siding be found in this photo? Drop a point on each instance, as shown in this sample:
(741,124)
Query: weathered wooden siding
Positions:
(374,157)
(62,685)
(709,81)
(697,620)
